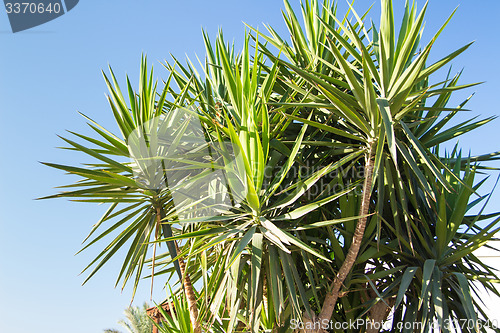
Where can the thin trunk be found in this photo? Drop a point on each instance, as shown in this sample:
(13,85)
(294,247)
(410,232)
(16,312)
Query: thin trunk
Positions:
(157,233)
(352,254)
(186,282)
(191,297)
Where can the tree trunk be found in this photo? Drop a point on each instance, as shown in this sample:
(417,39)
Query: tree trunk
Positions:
(191,297)
(332,297)
(186,283)
(378,313)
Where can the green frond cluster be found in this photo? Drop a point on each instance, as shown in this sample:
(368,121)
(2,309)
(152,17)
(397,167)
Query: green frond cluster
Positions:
(298,134)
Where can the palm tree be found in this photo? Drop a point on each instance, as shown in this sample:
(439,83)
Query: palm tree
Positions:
(319,167)
(137,320)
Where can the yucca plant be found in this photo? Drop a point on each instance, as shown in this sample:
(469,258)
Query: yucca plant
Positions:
(254,240)
(135,207)
(376,90)
(435,288)
(302,184)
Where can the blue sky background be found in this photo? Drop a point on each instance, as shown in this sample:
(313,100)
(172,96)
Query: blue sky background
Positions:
(50,72)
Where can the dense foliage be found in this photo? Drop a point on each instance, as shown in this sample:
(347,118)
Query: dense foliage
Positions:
(337,202)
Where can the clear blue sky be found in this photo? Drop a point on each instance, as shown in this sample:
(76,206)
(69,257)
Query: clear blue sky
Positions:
(51,71)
